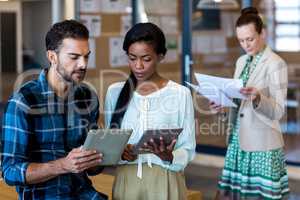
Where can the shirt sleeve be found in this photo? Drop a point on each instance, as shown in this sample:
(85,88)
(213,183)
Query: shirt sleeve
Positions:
(15,141)
(95,114)
(108,108)
(185,147)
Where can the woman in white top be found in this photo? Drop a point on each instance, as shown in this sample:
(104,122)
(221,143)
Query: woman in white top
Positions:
(149,101)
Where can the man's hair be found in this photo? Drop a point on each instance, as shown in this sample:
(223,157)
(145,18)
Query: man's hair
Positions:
(65,29)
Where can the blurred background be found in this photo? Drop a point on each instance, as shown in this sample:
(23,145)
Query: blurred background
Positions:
(200,38)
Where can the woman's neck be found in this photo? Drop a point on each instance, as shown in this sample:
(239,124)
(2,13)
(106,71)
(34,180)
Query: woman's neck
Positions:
(155,83)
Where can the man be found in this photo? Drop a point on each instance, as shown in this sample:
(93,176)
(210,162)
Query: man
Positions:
(46,122)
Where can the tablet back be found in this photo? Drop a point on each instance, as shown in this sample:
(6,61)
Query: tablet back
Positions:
(110,142)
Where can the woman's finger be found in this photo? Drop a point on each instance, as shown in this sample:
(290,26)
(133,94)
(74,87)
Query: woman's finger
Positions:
(161,145)
(153,145)
(172,145)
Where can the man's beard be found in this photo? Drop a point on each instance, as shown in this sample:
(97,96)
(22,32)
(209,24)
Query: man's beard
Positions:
(61,72)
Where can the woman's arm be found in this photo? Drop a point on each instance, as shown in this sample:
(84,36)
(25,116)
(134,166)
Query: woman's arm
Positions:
(186,143)
(271,102)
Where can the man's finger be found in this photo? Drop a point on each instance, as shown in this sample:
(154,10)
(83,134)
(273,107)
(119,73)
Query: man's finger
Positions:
(89,158)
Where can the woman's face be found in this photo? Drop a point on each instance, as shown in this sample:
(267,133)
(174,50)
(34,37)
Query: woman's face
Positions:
(250,40)
(143,60)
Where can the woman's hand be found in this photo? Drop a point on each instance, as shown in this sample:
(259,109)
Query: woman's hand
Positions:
(215,107)
(162,150)
(128,153)
(252,93)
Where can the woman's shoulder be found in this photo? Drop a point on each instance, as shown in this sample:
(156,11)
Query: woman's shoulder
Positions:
(275,57)
(242,59)
(275,62)
(115,88)
(176,87)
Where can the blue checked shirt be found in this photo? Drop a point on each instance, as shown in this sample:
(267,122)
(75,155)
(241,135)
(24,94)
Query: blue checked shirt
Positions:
(38,127)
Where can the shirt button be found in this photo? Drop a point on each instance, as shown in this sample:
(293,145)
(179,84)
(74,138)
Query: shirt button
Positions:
(241,115)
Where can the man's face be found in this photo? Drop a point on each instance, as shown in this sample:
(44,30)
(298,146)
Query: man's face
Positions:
(72,59)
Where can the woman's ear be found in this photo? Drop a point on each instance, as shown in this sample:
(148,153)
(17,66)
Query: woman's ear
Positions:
(160,57)
(52,57)
(263,34)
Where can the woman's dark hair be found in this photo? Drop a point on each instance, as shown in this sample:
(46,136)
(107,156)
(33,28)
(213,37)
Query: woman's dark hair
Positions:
(141,32)
(146,32)
(250,15)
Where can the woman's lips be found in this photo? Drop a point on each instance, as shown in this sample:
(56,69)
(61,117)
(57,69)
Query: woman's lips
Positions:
(139,75)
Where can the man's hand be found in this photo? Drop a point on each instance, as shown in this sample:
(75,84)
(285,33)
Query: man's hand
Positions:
(161,150)
(128,153)
(79,160)
(76,161)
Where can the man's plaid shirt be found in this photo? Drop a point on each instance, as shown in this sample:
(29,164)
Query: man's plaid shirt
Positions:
(38,127)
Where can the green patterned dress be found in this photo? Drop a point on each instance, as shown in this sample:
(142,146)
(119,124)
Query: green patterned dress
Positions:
(252,175)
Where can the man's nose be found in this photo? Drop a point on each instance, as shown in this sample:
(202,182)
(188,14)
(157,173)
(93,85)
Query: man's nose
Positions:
(82,63)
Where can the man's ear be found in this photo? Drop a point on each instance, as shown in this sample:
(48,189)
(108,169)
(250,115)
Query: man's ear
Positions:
(52,57)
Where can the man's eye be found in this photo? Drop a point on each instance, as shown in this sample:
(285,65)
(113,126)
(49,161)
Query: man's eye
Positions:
(74,57)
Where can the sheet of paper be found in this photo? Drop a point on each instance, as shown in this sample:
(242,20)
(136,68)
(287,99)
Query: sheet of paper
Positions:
(169,24)
(93,24)
(115,6)
(92,57)
(213,94)
(230,87)
(165,7)
(125,24)
(90,6)
(117,56)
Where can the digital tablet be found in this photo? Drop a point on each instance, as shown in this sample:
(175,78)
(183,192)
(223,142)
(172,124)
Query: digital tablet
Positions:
(167,134)
(110,142)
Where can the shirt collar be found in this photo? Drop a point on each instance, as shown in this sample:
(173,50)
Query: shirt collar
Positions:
(257,57)
(46,89)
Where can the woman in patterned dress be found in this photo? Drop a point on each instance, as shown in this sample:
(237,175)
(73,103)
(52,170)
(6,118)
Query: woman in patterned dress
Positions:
(254,164)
